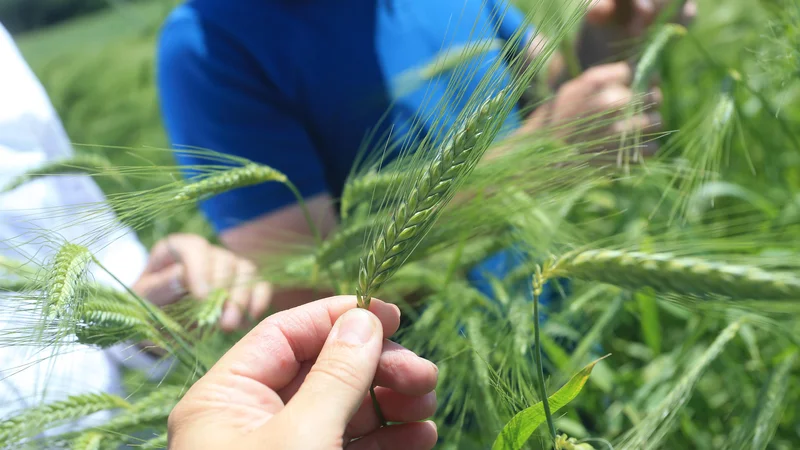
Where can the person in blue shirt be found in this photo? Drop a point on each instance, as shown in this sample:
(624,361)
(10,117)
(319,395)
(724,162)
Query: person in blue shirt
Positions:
(297,85)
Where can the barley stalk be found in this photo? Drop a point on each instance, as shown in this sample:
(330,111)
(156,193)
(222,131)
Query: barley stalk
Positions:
(757,431)
(667,273)
(34,420)
(227,180)
(649,433)
(650,58)
(79,163)
(69,268)
(417,211)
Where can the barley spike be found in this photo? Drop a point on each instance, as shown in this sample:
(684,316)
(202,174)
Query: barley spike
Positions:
(649,60)
(90,440)
(416,212)
(70,266)
(667,273)
(34,420)
(227,180)
(650,432)
(157,443)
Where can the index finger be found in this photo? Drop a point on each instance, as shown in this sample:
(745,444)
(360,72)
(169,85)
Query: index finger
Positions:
(273,351)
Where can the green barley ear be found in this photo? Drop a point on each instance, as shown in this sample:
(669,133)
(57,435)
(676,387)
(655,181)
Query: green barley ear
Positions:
(207,313)
(91,440)
(67,277)
(757,431)
(651,57)
(150,411)
(77,164)
(226,180)
(105,323)
(247,175)
(157,443)
(416,211)
(33,421)
(649,433)
(645,68)
(667,273)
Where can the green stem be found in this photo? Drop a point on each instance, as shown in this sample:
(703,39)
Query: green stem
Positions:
(538,281)
(313,227)
(786,128)
(185,354)
(377,407)
(570,57)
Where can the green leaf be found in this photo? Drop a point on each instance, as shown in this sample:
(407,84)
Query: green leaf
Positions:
(520,428)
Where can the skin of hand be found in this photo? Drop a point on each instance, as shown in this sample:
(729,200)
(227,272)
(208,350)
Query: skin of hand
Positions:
(600,93)
(186,264)
(300,380)
(613,27)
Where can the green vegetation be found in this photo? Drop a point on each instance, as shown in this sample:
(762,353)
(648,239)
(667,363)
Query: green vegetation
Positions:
(684,269)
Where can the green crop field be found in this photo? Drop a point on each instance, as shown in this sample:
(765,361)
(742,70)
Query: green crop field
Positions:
(685,269)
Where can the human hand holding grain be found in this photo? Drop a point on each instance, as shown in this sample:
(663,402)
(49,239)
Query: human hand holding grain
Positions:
(614,27)
(299,380)
(602,94)
(187,264)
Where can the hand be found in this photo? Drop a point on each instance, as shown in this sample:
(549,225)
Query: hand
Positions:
(601,94)
(613,26)
(633,17)
(299,380)
(184,264)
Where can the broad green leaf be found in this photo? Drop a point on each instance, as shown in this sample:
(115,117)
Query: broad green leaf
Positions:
(520,428)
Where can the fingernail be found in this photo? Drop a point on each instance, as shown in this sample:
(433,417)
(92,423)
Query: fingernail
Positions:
(355,327)
(435,367)
(435,427)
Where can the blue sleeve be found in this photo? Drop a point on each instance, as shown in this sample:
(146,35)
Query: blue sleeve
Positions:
(510,20)
(213,96)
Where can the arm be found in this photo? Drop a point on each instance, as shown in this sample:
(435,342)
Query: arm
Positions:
(215,96)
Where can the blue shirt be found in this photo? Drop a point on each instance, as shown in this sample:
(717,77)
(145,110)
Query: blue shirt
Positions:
(299,84)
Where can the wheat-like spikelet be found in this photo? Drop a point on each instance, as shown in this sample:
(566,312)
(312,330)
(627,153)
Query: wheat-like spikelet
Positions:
(230,179)
(667,273)
(649,61)
(106,324)
(79,163)
(157,443)
(90,440)
(207,313)
(649,433)
(67,277)
(368,187)
(34,420)
(150,410)
(416,212)
(757,431)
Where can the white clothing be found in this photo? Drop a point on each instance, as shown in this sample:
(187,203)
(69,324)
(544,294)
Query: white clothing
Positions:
(30,134)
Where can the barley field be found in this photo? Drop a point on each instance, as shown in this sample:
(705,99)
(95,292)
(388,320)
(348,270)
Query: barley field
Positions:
(679,326)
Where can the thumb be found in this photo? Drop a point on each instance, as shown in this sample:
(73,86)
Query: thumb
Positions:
(339,380)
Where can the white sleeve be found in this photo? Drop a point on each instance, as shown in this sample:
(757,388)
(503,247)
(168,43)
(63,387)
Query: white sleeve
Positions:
(31,134)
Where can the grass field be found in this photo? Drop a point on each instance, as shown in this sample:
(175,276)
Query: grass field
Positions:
(680,252)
